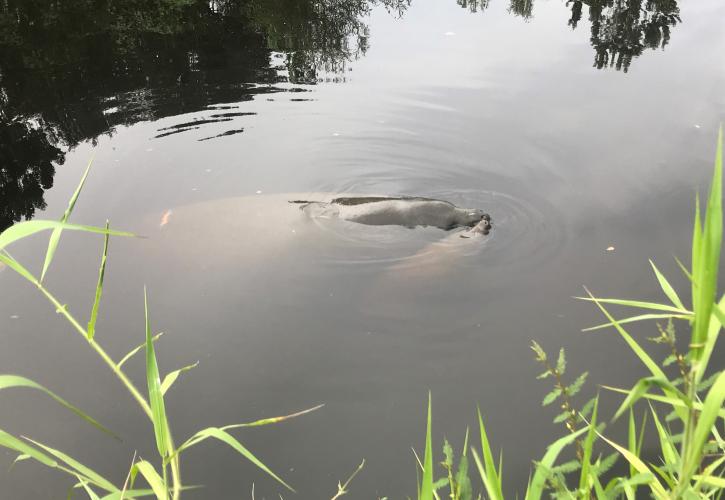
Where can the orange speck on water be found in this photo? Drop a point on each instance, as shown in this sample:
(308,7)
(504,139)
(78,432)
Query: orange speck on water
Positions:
(165,218)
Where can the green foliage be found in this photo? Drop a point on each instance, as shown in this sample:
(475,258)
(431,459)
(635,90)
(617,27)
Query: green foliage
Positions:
(686,405)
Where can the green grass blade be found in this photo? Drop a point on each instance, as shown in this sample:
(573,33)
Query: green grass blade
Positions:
(225,437)
(641,317)
(488,461)
(272,420)
(136,349)
(716,323)
(641,354)
(669,451)
(711,408)
(668,290)
(586,470)
(152,477)
(91,494)
(656,306)
(643,386)
(538,483)
(490,488)
(171,377)
(16,266)
(15,444)
(156,397)
(708,258)
(696,251)
(88,473)
(674,402)
(99,288)
(657,489)
(55,235)
(12,381)
(28,228)
(632,439)
(426,487)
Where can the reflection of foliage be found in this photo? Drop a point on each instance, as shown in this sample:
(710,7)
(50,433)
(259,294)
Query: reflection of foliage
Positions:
(474,5)
(623,29)
(523,8)
(82,67)
(26,169)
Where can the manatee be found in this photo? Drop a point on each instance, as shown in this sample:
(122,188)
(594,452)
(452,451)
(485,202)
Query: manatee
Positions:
(259,233)
(406,211)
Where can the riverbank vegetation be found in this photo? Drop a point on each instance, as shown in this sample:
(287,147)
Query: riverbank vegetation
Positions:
(682,397)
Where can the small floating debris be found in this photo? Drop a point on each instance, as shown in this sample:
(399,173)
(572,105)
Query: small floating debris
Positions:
(449,33)
(165,218)
(335,134)
(610,249)
(194,189)
(258,191)
(14,316)
(697,126)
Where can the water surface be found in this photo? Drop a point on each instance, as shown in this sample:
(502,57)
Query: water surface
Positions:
(579,127)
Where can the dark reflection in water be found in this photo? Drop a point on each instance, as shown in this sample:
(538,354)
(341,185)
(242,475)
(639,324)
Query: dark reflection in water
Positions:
(620,29)
(74,70)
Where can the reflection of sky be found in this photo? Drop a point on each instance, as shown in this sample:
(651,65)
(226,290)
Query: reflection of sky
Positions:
(522,99)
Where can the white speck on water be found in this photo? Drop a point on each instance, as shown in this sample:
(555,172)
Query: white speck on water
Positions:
(294,230)
(381,121)
(697,126)
(610,249)
(450,33)
(207,170)
(335,134)
(194,189)
(14,316)
(149,149)
(258,191)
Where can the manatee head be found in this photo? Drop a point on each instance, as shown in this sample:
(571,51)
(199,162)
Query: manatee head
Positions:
(481,228)
(471,216)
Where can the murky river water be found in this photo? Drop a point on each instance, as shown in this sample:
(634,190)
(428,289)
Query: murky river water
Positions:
(577,137)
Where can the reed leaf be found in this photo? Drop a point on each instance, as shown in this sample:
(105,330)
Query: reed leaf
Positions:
(171,377)
(99,288)
(489,465)
(643,386)
(55,235)
(27,228)
(86,472)
(152,477)
(156,397)
(426,486)
(12,381)
(538,483)
(657,489)
(668,290)
(225,437)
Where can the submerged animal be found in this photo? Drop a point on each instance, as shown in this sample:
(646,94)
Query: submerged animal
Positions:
(399,211)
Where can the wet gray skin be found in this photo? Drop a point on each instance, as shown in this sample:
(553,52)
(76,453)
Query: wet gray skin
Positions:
(399,211)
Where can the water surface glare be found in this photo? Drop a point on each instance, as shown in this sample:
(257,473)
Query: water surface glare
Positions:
(586,150)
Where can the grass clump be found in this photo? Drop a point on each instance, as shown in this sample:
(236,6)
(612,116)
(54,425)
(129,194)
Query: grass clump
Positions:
(686,406)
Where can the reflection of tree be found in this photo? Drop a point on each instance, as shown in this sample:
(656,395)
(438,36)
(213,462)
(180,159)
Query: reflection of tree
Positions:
(621,29)
(26,169)
(83,67)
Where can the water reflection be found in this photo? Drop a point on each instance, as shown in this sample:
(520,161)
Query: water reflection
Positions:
(74,70)
(620,29)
